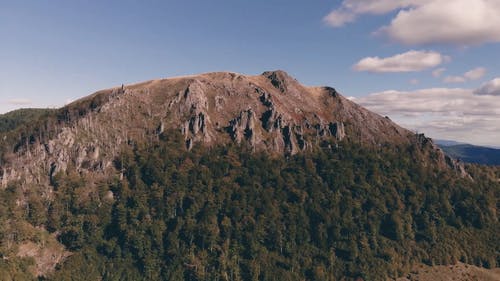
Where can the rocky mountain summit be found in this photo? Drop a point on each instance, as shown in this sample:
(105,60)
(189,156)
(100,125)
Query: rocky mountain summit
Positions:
(269,112)
(199,177)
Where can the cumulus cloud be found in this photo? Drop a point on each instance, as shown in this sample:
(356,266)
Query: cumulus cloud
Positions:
(473,74)
(20,101)
(461,22)
(405,62)
(425,100)
(448,113)
(491,88)
(454,79)
(349,10)
(339,18)
(438,72)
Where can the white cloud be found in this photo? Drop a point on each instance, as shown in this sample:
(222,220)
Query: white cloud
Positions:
(349,10)
(475,73)
(438,72)
(339,18)
(492,88)
(405,62)
(446,113)
(425,100)
(20,101)
(461,22)
(377,7)
(454,79)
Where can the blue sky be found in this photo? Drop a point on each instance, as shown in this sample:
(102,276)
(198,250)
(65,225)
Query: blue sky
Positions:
(52,52)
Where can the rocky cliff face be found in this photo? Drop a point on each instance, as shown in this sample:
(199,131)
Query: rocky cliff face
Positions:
(271,112)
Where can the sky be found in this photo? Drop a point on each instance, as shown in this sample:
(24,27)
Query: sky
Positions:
(430,65)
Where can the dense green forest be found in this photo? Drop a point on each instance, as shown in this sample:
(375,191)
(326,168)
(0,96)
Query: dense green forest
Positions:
(21,117)
(22,126)
(341,212)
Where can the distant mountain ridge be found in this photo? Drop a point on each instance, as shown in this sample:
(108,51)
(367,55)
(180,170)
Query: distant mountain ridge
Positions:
(440,142)
(472,153)
(447,142)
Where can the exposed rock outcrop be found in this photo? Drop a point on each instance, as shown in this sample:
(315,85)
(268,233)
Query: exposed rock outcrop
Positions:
(271,112)
(337,129)
(243,127)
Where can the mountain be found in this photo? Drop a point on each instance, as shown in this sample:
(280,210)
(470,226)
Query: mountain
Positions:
(270,112)
(223,176)
(473,154)
(442,143)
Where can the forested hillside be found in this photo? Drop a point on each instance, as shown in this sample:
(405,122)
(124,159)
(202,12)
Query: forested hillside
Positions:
(223,176)
(341,212)
(14,119)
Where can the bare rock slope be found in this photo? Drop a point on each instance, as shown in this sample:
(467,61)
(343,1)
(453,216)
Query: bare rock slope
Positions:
(271,112)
